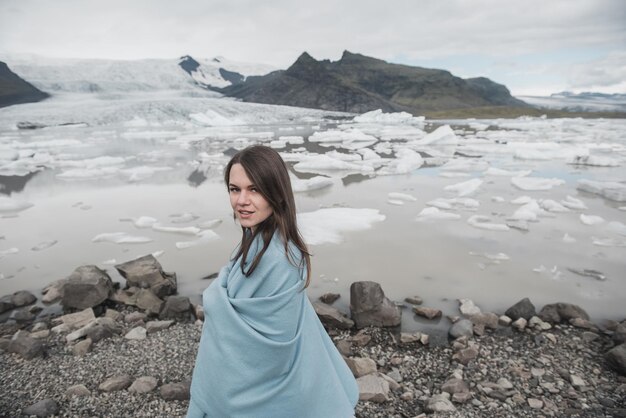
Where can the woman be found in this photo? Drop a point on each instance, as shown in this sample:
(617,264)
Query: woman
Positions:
(263,351)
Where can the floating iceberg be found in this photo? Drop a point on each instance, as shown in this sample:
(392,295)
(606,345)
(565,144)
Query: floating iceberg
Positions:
(308,185)
(553,206)
(120,238)
(591,219)
(573,203)
(205,237)
(443,135)
(493,171)
(465,188)
(210,224)
(434,214)
(611,190)
(535,183)
(326,225)
(406,161)
(11,206)
(593,160)
(44,245)
(398,118)
(402,197)
(482,222)
(188,230)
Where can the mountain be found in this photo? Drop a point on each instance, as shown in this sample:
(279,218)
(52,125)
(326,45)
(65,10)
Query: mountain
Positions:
(580,102)
(357,83)
(14,90)
(69,75)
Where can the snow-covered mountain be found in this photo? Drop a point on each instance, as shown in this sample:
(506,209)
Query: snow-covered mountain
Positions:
(586,101)
(56,75)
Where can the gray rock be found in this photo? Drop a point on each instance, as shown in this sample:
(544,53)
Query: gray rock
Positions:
(6,304)
(23,298)
(616,358)
(582,323)
(146,273)
(175,391)
(361,366)
(440,403)
(135,317)
(461,397)
(4,343)
(464,356)
(43,334)
(82,347)
(468,308)
(113,314)
(99,332)
(22,315)
(485,319)
(461,328)
(329,298)
(559,312)
(77,390)
(116,383)
(176,307)
(504,383)
(86,287)
(44,408)
(361,339)
(53,292)
(26,346)
(148,301)
(535,403)
(344,347)
(504,320)
(519,324)
(96,330)
(414,300)
(78,320)
(137,333)
(156,326)
(370,307)
(454,385)
(143,384)
(522,309)
(373,388)
(331,316)
(429,313)
(39,326)
(409,338)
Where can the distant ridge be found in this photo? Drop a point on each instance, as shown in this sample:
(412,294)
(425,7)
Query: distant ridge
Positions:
(15,90)
(357,83)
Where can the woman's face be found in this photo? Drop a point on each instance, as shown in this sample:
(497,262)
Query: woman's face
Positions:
(249,205)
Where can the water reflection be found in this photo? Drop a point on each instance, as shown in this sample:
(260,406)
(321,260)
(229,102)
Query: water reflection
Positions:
(11,184)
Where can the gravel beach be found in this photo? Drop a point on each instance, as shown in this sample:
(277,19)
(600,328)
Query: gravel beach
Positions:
(559,372)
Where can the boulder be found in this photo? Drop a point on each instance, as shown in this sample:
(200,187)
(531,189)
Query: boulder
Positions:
(414,300)
(86,287)
(562,312)
(370,307)
(134,317)
(96,330)
(146,273)
(440,403)
(53,292)
(6,304)
(468,308)
(331,316)
(373,388)
(44,408)
(175,391)
(23,298)
(616,358)
(116,383)
(26,346)
(137,333)
(144,384)
(148,301)
(77,390)
(428,313)
(77,320)
(361,366)
(176,307)
(329,298)
(461,328)
(22,315)
(522,309)
(156,326)
(485,319)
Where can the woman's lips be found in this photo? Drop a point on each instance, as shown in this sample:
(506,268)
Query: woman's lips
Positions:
(245,214)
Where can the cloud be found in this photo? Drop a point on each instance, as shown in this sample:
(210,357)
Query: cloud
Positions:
(606,72)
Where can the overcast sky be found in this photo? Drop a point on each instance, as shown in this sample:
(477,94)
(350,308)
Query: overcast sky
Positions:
(532,46)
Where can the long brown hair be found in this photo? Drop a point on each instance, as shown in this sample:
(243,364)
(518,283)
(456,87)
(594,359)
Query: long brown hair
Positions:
(268,172)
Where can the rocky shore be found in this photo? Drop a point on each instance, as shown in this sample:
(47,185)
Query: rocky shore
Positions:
(130,353)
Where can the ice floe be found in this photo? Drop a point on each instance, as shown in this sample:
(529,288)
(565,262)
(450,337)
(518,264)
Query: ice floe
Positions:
(454,203)
(536,183)
(593,160)
(483,222)
(186,230)
(182,218)
(493,171)
(608,242)
(567,238)
(443,135)
(293,140)
(44,245)
(326,225)
(618,227)
(210,224)
(10,205)
(434,214)
(591,219)
(142,173)
(398,118)
(395,202)
(406,161)
(573,203)
(611,190)
(402,197)
(465,188)
(204,237)
(120,238)
(553,206)
(311,184)
(528,212)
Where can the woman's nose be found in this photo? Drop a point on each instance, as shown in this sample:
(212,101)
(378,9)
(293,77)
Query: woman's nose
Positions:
(243,198)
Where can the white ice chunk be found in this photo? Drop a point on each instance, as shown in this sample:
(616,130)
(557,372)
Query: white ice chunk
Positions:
(405,162)
(44,245)
(493,171)
(443,135)
(553,206)
(293,140)
(454,203)
(452,174)
(335,135)
(593,160)
(567,238)
(212,118)
(434,214)
(142,173)
(183,218)
(522,200)
(395,202)
(308,185)
(88,174)
(10,205)
(608,242)
(591,219)
(277,144)
(465,164)
(120,238)
(143,221)
(482,222)
(378,117)
(109,262)
(326,225)
(344,156)
(573,203)
(205,237)
(611,190)
(465,188)
(533,154)
(528,212)
(9,251)
(535,183)
(402,196)
(210,224)
(618,227)
(497,199)
(188,230)
(368,154)
(326,163)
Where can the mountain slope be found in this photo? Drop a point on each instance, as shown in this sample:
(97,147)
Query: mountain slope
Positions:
(357,83)
(14,90)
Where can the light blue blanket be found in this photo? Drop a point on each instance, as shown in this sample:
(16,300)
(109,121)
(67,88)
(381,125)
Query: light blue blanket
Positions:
(263,351)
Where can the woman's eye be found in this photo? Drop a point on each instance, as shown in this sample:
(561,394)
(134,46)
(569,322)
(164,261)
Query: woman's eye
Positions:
(233,190)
